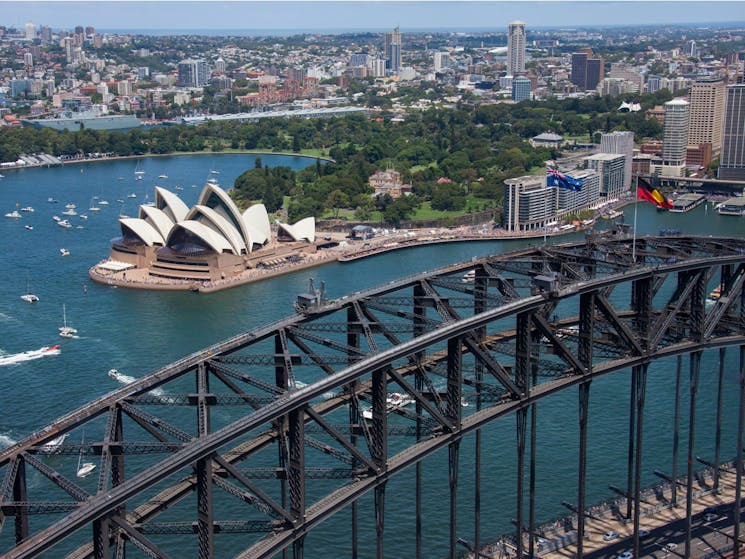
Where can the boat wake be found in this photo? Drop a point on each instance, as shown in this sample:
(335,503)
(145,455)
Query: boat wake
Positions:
(6,441)
(127,379)
(13,358)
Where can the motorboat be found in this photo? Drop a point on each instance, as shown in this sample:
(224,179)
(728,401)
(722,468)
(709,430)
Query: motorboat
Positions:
(64,223)
(54,445)
(132,195)
(64,252)
(103,203)
(13,215)
(52,200)
(56,218)
(29,227)
(70,206)
(70,211)
(469,276)
(27,209)
(394,401)
(30,355)
(66,331)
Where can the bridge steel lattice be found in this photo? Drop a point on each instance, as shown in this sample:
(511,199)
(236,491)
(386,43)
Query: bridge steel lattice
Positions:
(463,346)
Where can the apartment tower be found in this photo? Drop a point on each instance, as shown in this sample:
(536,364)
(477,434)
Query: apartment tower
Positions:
(516,48)
(675,138)
(392,50)
(620,142)
(707,103)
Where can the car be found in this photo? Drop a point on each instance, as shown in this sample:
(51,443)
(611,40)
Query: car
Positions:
(625,555)
(643,533)
(670,546)
(709,516)
(608,536)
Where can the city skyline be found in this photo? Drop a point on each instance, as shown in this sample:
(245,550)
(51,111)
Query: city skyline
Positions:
(353,15)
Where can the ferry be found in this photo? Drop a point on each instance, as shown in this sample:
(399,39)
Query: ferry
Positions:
(611,214)
(687,202)
(733,206)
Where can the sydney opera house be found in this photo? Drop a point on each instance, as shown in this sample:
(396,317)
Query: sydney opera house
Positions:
(211,241)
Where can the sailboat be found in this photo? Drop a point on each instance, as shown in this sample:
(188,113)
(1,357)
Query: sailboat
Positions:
(138,172)
(84,468)
(28,296)
(66,331)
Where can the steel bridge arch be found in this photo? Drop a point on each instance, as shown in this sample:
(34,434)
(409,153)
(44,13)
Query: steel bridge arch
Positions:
(525,286)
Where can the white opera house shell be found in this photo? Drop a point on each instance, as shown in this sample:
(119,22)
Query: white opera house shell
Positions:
(210,241)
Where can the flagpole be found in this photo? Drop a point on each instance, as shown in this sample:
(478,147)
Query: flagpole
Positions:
(636,204)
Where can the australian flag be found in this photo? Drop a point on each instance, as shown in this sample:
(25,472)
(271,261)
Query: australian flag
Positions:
(555,178)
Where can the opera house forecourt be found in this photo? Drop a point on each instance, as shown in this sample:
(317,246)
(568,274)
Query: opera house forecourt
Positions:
(207,247)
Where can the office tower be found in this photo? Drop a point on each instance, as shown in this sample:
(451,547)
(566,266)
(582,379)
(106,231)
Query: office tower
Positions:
(521,88)
(621,142)
(392,50)
(594,73)
(358,59)
(193,73)
(579,70)
(732,158)
(516,48)
(30,31)
(707,100)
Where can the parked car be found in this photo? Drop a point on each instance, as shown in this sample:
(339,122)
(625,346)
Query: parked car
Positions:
(608,536)
(626,555)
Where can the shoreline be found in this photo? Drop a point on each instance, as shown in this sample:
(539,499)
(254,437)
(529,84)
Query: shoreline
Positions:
(383,245)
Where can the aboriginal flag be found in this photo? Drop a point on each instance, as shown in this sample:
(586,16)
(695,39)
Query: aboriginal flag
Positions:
(645,191)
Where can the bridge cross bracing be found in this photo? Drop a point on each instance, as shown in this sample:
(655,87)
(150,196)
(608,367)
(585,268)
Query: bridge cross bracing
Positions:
(271,433)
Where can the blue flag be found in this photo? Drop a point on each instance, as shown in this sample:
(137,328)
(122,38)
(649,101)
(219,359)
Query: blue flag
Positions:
(555,178)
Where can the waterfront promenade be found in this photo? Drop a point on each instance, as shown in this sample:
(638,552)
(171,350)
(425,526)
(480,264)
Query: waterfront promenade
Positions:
(345,251)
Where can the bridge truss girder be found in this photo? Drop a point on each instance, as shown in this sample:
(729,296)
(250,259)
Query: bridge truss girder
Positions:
(530,324)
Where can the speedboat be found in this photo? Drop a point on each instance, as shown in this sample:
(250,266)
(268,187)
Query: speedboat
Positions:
(70,211)
(70,206)
(13,215)
(29,298)
(394,401)
(132,195)
(103,203)
(29,227)
(64,223)
(469,276)
(64,252)
(52,200)
(30,355)
(27,209)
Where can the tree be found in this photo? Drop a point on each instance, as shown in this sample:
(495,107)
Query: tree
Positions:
(336,200)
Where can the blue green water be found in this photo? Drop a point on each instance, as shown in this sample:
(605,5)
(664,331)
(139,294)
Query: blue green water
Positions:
(137,332)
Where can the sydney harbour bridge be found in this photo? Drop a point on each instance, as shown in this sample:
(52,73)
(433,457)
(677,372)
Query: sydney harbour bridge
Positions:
(229,441)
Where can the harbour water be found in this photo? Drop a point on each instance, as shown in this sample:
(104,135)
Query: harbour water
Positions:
(137,332)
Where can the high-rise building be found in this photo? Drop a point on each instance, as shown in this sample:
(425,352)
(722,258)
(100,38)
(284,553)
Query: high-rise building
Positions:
(732,158)
(440,60)
(675,139)
(521,88)
(30,31)
(620,142)
(579,70)
(220,65)
(594,73)
(392,50)
(516,48)
(193,73)
(707,100)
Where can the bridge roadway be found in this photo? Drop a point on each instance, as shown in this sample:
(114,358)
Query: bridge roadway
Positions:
(499,340)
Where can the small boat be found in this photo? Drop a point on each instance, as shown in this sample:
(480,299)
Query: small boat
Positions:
(163,176)
(13,215)
(28,296)
(469,276)
(94,209)
(27,209)
(66,331)
(132,195)
(393,402)
(103,203)
(716,293)
(30,355)
(177,187)
(64,223)
(55,444)
(29,227)
(64,252)
(52,200)
(83,216)
(84,468)
(70,211)
(70,206)
(120,200)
